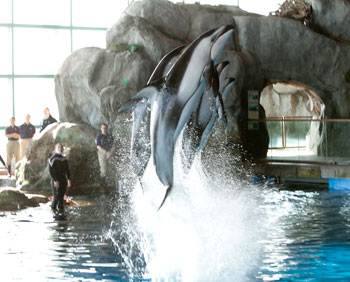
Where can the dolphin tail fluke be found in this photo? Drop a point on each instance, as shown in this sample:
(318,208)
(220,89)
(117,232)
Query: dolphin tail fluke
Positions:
(166,195)
(143,190)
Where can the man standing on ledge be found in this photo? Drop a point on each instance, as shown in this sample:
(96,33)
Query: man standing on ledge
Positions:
(27,133)
(12,133)
(60,178)
(48,119)
(105,148)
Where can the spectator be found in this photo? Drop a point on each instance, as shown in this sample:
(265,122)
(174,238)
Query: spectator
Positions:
(105,148)
(48,119)
(13,134)
(60,178)
(27,132)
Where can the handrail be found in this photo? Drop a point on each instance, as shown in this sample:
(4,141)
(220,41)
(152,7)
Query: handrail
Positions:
(300,119)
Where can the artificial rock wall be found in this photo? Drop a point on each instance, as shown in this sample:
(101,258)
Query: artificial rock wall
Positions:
(92,83)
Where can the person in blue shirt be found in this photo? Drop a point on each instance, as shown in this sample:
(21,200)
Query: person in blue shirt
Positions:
(105,148)
(13,134)
(48,119)
(27,132)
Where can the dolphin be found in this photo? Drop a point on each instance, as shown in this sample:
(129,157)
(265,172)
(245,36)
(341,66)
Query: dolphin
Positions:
(178,95)
(228,83)
(197,131)
(140,104)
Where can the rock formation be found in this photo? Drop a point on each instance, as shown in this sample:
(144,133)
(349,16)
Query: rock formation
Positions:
(12,200)
(93,82)
(331,18)
(80,149)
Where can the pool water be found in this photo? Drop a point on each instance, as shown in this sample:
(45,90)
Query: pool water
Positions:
(281,236)
(35,247)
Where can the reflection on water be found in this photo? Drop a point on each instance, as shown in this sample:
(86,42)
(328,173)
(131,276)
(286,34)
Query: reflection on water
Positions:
(35,247)
(261,235)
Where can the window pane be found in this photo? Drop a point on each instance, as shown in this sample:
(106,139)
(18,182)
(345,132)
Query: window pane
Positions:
(44,12)
(40,51)
(5,51)
(102,13)
(5,11)
(88,38)
(6,101)
(32,95)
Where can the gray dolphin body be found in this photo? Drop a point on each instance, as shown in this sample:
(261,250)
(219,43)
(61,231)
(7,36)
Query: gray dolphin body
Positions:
(173,93)
(199,129)
(141,105)
(178,96)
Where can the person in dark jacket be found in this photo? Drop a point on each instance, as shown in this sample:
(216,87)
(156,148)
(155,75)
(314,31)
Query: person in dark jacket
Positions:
(60,178)
(48,119)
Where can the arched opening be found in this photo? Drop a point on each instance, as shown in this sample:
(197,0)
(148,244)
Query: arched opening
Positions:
(293,113)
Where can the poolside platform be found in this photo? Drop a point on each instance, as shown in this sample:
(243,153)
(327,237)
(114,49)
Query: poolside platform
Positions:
(308,171)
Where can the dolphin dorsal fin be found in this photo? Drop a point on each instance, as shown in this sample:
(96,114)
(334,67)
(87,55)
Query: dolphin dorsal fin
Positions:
(165,64)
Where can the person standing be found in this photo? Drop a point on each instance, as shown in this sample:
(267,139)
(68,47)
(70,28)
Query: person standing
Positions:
(27,131)
(13,134)
(60,178)
(105,148)
(48,119)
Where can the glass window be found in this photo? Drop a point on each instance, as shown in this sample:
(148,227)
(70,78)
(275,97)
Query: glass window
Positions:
(89,38)
(6,111)
(5,51)
(43,12)
(102,13)
(5,11)
(32,95)
(40,51)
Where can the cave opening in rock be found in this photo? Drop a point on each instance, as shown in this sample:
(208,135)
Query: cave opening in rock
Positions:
(293,119)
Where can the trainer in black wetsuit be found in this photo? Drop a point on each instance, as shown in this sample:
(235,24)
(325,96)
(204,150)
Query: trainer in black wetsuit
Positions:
(60,178)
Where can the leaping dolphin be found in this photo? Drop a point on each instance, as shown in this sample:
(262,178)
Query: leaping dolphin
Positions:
(202,122)
(178,95)
(173,92)
(141,105)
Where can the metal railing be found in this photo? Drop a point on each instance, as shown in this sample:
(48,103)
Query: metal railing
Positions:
(308,139)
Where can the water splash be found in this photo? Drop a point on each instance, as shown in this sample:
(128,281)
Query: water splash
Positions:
(208,230)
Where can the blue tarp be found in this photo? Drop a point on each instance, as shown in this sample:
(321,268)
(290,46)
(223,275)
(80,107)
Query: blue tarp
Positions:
(339,184)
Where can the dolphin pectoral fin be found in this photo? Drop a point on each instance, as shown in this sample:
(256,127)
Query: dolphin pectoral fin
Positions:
(129,106)
(228,83)
(166,195)
(148,93)
(206,133)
